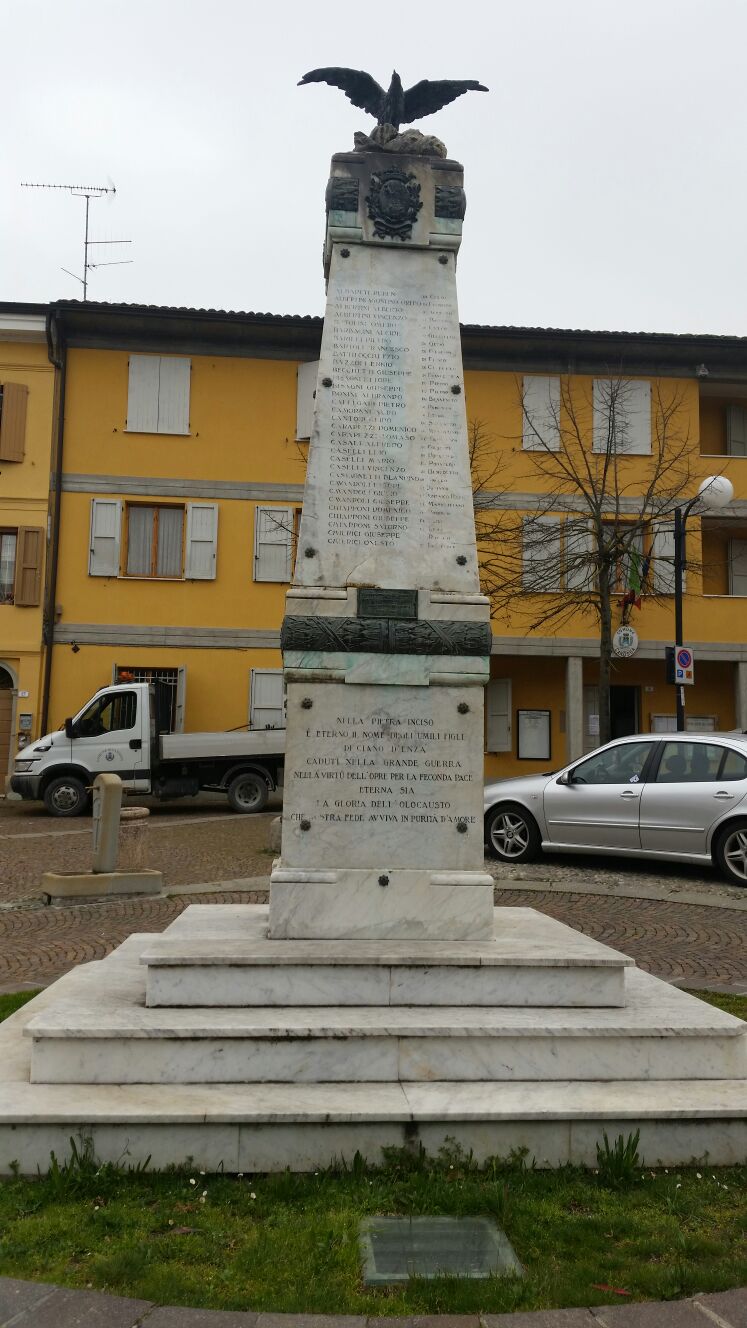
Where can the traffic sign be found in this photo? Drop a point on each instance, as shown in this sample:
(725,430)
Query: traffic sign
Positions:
(684,665)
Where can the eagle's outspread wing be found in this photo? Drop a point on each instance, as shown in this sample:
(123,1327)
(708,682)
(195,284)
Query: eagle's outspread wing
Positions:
(430,95)
(358,86)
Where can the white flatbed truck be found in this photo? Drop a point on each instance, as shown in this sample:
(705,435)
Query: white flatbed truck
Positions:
(121,730)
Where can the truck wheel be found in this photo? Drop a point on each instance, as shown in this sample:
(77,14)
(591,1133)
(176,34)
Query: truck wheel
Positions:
(66,796)
(248,792)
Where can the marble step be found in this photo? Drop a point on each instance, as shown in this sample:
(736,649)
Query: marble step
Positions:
(100,1031)
(221,956)
(268,1127)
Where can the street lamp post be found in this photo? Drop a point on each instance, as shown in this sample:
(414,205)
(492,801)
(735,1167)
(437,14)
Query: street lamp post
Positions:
(714,493)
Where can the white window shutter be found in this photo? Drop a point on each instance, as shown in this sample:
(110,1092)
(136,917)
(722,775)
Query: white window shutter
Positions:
(306,398)
(142,394)
(273,542)
(498,715)
(267,699)
(106,525)
(622,416)
(202,542)
(580,563)
(663,551)
(541,569)
(173,394)
(736,430)
(541,414)
(181,698)
(737,567)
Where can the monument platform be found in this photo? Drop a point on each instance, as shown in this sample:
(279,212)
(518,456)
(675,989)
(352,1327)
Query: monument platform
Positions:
(223,957)
(269,1087)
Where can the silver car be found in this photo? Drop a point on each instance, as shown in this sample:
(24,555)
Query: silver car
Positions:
(680,797)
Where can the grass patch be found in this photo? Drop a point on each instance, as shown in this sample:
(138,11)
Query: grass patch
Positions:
(289,1243)
(724,1000)
(13,1001)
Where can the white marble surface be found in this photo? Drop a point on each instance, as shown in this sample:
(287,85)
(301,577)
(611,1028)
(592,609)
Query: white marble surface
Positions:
(337,984)
(358,908)
(220,955)
(384,775)
(100,1031)
(307,1126)
(220,933)
(388,472)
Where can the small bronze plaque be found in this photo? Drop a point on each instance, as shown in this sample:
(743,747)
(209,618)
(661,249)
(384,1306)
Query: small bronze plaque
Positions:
(376,603)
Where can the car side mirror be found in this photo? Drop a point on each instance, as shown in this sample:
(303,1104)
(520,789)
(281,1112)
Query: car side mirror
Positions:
(70,729)
(564,779)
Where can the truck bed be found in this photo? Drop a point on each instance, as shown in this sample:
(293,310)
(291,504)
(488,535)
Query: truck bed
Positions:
(205,746)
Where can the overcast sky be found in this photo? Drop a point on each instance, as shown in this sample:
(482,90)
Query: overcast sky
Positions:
(605,169)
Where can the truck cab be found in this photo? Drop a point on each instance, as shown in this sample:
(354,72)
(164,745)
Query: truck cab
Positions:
(110,734)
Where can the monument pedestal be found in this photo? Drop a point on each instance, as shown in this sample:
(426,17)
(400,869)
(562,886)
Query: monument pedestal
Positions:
(386,637)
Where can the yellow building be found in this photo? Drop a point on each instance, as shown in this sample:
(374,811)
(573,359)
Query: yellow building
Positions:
(27,381)
(181,474)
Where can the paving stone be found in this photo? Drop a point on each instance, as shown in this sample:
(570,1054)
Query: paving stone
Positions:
(729,1305)
(17,1295)
(173,1316)
(541,1319)
(81,1309)
(314,1321)
(445,1321)
(651,1314)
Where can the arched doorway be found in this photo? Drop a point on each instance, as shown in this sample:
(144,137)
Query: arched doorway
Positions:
(6,715)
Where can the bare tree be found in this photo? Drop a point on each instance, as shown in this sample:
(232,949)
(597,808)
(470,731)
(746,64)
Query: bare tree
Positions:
(604,466)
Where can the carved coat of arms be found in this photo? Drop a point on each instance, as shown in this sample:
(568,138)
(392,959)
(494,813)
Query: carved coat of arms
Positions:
(394,203)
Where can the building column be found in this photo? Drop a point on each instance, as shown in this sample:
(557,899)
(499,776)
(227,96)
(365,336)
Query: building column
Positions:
(574,707)
(740,696)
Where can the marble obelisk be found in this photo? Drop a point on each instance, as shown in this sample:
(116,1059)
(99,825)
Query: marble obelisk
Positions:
(386,638)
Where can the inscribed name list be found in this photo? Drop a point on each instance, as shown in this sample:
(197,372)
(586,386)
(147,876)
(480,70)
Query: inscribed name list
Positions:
(383,776)
(389,472)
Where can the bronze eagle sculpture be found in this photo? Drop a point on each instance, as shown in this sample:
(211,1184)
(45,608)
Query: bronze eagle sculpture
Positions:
(395,106)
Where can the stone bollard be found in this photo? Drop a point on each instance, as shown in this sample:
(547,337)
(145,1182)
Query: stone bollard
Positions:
(133,836)
(276,833)
(107,806)
(104,879)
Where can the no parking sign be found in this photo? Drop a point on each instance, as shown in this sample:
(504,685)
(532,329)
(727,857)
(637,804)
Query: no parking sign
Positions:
(684,665)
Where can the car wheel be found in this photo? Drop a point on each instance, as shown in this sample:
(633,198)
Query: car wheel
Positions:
(248,793)
(512,834)
(66,796)
(731,852)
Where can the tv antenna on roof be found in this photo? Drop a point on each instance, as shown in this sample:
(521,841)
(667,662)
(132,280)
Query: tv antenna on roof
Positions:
(87,191)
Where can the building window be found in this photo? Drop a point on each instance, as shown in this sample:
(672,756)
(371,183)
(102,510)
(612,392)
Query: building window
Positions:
(13,398)
(540,414)
(155,541)
(160,544)
(158,394)
(8,542)
(622,416)
(266,699)
(274,535)
(172,685)
(21,557)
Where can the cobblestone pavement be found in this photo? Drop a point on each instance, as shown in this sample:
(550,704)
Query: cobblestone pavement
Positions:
(681,923)
(189,842)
